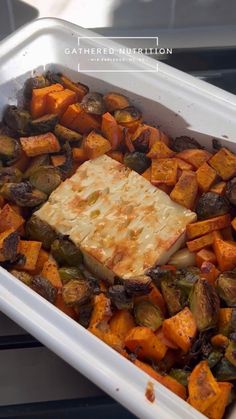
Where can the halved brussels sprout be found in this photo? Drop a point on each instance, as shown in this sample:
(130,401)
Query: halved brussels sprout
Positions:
(34,83)
(44,288)
(224,371)
(22,276)
(230,191)
(147,314)
(66,168)
(140,139)
(184,143)
(93,103)
(66,253)
(138,285)
(210,205)
(137,161)
(214,357)
(84,311)
(35,163)
(53,78)
(9,149)
(23,194)
(127,115)
(44,124)
(119,297)
(10,175)
(45,179)
(76,291)
(115,101)
(230,353)
(180,375)
(172,296)
(204,304)
(17,119)
(66,134)
(39,230)
(226,287)
(69,272)
(186,278)
(158,274)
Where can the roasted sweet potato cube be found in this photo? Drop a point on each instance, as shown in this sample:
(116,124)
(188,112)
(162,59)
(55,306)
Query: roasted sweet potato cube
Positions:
(50,271)
(185,190)
(42,258)
(225,254)
(205,255)
(206,176)
(181,329)
(10,219)
(101,313)
(77,119)
(219,188)
(160,150)
(217,409)
(96,145)
(207,226)
(80,89)
(164,171)
(202,386)
(111,130)
(224,162)
(195,157)
(58,160)
(57,102)
(79,154)
(39,96)
(121,323)
(209,272)
(183,165)
(145,344)
(233,223)
(40,144)
(30,250)
(200,242)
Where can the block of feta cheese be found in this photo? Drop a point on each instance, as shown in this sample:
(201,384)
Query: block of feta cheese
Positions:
(121,222)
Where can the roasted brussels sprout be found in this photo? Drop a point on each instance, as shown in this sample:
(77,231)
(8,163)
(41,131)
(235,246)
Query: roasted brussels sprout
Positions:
(184,143)
(66,134)
(84,312)
(210,205)
(214,357)
(34,83)
(147,314)
(17,119)
(226,287)
(23,194)
(45,179)
(44,124)
(9,175)
(44,288)
(35,163)
(186,278)
(66,168)
(204,304)
(137,161)
(225,371)
(115,101)
(172,296)
(160,273)
(93,103)
(137,285)
(53,77)
(119,297)
(127,115)
(76,291)
(230,191)
(66,253)
(38,230)
(180,375)
(22,276)
(93,281)
(69,272)
(9,247)
(230,353)
(9,149)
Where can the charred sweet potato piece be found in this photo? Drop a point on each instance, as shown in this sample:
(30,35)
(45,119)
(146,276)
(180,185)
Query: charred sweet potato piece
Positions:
(121,323)
(181,329)
(80,89)
(205,255)
(219,188)
(10,219)
(101,313)
(59,303)
(111,130)
(50,271)
(58,160)
(144,343)
(39,97)
(40,144)
(77,119)
(144,137)
(9,241)
(185,190)
(164,171)
(114,101)
(96,145)
(195,157)
(79,154)
(220,341)
(147,174)
(216,410)
(207,226)
(57,102)
(203,388)
(206,176)
(225,254)
(30,250)
(160,150)
(42,259)
(224,163)
(224,321)
(209,272)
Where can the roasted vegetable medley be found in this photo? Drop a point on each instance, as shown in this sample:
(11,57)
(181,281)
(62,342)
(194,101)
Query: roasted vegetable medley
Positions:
(178,321)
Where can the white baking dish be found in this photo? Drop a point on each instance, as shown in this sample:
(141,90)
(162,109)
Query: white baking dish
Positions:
(175,101)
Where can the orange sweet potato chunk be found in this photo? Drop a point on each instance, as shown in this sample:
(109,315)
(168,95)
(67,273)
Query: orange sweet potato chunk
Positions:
(209,272)
(217,409)
(96,145)
(225,254)
(195,157)
(111,130)
(79,154)
(145,344)
(200,242)
(57,102)
(206,176)
(50,272)
(207,226)
(77,119)
(121,323)
(40,144)
(181,329)
(219,188)
(203,388)
(30,250)
(39,99)
(164,171)
(160,150)
(205,255)
(224,163)
(10,219)
(185,190)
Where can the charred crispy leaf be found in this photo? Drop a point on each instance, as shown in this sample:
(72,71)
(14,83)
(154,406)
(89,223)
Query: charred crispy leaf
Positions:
(160,273)
(38,230)
(180,375)
(76,291)
(67,135)
(23,194)
(186,278)
(119,297)
(138,285)
(204,304)
(67,167)
(84,311)
(226,287)
(44,288)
